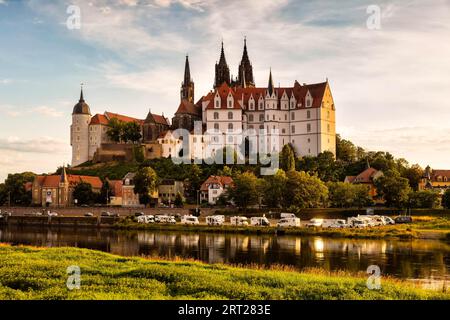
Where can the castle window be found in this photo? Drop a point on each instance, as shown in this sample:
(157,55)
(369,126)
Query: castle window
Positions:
(261,105)
(328,114)
(283,131)
(250,118)
(261,127)
(308,114)
(217,104)
(261,117)
(230,126)
(293,129)
(250,127)
(285,117)
(309,140)
(216,115)
(216,126)
(230,115)
(308,127)
(292,116)
(308,103)
(251,106)
(328,127)
(273,117)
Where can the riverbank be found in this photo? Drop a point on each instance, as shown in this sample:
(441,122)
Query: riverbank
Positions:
(40,273)
(422,228)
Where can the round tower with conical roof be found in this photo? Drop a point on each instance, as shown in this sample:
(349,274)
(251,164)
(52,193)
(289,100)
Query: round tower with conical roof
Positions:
(79,131)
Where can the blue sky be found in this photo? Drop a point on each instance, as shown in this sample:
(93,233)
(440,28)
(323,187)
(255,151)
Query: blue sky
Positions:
(390,85)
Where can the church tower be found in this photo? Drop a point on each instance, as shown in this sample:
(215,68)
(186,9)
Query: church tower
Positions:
(222,71)
(79,131)
(245,73)
(187,87)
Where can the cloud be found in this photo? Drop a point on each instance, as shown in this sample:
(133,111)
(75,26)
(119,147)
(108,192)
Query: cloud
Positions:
(15,111)
(46,145)
(5,81)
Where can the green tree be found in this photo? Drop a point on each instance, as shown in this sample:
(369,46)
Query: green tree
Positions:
(226,171)
(179,201)
(131,132)
(345,150)
(346,195)
(446,199)
(105,193)
(115,130)
(244,192)
(394,189)
(145,183)
(13,189)
(305,191)
(83,193)
(193,174)
(274,188)
(425,199)
(287,158)
(414,174)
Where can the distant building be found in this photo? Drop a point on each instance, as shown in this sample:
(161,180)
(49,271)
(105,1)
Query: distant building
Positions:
(129,197)
(435,180)
(168,190)
(367,177)
(115,198)
(57,190)
(214,187)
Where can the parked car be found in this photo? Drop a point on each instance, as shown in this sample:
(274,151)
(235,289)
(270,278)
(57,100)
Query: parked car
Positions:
(288,222)
(259,221)
(189,220)
(239,221)
(216,220)
(88,214)
(388,220)
(314,223)
(339,223)
(403,219)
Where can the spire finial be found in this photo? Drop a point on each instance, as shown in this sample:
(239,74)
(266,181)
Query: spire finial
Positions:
(81,94)
(270,86)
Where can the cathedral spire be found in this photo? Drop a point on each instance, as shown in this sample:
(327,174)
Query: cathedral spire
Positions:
(187,87)
(270,87)
(222,71)
(63,174)
(245,69)
(81,94)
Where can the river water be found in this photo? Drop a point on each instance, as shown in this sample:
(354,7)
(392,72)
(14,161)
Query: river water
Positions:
(427,261)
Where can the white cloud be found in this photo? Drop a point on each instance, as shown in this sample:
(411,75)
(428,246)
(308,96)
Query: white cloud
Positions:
(18,111)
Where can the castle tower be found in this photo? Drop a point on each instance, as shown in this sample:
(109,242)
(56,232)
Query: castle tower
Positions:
(79,131)
(222,71)
(187,87)
(245,74)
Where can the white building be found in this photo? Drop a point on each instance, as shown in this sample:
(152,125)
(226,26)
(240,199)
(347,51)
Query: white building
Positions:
(214,187)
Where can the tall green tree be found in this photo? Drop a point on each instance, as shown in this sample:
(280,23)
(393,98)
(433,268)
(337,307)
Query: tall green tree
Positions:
(14,191)
(394,189)
(346,195)
(425,199)
(244,192)
(287,158)
(305,191)
(446,199)
(105,193)
(131,132)
(274,188)
(414,174)
(115,130)
(145,183)
(83,193)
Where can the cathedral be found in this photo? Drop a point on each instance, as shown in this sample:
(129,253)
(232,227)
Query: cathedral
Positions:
(302,115)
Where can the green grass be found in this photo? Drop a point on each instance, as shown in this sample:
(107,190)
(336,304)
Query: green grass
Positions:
(36,273)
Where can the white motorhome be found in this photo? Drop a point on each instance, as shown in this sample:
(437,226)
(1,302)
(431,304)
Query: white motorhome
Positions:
(189,220)
(217,220)
(287,215)
(165,219)
(239,221)
(259,221)
(288,222)
(339,223)
(315,223)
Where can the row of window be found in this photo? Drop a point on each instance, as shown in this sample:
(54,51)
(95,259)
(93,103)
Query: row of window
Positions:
(261,116)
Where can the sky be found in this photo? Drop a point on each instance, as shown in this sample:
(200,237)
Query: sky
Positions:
(390,80)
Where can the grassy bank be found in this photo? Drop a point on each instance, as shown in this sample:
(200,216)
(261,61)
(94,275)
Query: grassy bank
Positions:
(37,273)
(396,232)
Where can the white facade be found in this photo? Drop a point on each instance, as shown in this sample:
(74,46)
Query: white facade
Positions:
(79,138)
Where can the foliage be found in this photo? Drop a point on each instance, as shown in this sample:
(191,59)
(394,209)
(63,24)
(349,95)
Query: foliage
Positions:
(138,153)
(394,189)
(115,130)
(245,190)
(425,199)
(179,201)
(304,190)
(145,183)
(446,199)
(105,193)
(32,273)
(83,193)
(287,158)
(274,189)
(13,189)
(131,132)
(414,174)
(346,195)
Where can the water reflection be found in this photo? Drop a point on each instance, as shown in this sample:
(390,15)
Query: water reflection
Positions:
(418,259)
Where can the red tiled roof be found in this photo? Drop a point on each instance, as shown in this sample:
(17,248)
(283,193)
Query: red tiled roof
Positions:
(222,180)
(54,180)
(440,173)
(365,176)
(110,115)
(99,119)
(299,91)
(160,119)
(189,108)
(116,186)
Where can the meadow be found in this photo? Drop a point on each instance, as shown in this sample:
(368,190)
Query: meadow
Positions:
(41,273)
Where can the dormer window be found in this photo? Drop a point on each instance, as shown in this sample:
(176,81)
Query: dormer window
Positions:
(230,101)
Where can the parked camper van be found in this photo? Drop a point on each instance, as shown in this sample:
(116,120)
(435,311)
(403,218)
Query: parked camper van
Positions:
(259,221)
(165,219)
(215,220)
(146,219)
(239,221)
(287,215)
(359,223)
(315,223)
(288,222)
(189,220)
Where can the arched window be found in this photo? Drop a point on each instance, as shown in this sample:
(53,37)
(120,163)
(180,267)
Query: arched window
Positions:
(250,118)
(216,115)
(216,126)
(230,115)
(230,126)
